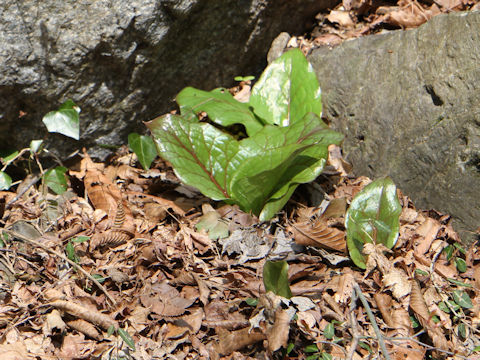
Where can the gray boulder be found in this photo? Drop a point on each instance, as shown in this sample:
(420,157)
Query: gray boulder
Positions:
(124,61)
(409,105)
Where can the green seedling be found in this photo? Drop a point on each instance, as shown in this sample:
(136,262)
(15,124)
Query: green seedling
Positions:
(373,217)
(275,278)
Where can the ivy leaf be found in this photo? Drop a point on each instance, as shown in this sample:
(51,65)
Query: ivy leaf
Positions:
(65,120)
(5,181)
(56,180)
(220,106)
(275,278)
(373,217)
(144,147)
(462,299)
(287,90)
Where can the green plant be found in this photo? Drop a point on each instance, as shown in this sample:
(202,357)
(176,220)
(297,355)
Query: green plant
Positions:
(64,120)
(275,278)
(373,217)
(285,145)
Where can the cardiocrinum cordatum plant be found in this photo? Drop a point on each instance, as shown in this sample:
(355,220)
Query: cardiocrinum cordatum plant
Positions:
(285,144)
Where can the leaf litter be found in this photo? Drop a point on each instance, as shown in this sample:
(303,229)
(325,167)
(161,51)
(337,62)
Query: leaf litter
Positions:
(159,274)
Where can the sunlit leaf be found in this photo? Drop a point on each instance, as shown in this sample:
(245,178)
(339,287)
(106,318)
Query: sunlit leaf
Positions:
(220,106)
(275,278)
(373,217)
(65,120)
(5,181)
(144,147)
(287,90)
(35,145)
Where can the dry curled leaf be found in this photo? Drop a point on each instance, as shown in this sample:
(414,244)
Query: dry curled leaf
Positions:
(85,328)
(319,234)
(93,316)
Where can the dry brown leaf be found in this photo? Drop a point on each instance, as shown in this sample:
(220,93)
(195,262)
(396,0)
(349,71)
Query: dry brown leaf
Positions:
(419,307)
(93,316)
(319,234)
(277,335)
(341,17)
(230,341)
(53,320)
(85,328)
(428,232)
(164,300)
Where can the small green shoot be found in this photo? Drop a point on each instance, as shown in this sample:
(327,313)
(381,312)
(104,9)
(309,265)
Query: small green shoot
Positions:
(70,251)
(329,331)
(144,147)
(373,217)
(244,78)
(251,301)
(127,338)
(461,264)
(275,278)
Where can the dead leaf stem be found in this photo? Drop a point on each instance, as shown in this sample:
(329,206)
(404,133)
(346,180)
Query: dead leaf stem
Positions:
(364,301)
(63,257)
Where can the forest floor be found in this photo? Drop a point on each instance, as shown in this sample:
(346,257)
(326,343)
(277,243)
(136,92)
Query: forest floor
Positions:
(120,266)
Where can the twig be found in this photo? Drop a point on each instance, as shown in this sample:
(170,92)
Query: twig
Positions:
(372,320)
(63,257)
(353,324)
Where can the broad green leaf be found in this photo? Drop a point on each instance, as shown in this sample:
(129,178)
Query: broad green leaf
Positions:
(56,180)
(287,90)
(462,299)
(35,145)
(307,165)
(460,248)
(65,120)
(311,348)
(201,155)
(329,331)
(247,172)
(373,217)
(266,183)
(144,147)
(127,338)
(275,278)
(220,106)
(5,181)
